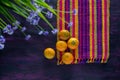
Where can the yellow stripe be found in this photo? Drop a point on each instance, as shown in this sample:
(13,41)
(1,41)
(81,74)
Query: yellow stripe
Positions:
(58,20)
(71,15)
(63,20)
(108,13)
(95,30)
(90,7)
(103,25)
(76,30)
(63,14)
(108,28)
(58,10)
(71,20)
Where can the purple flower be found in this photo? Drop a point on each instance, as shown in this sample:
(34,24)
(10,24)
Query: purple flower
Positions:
(29,19)
(27,37)
(10,32)
(35,20)
(7,28)
(45,33)
(33,2)
(39,9)
(16,23)
(23,29)
(70,24)
(47,0)
(54,31)
(2,46)
(74,11)
(31,16)
(49,14)
(15,28)
(51,6)
(40,33)
(2,39)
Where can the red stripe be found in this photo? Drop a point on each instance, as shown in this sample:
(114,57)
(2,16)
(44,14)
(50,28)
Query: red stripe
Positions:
(60,14)
(106,37)
(66,14)
(73,27)
(60,23)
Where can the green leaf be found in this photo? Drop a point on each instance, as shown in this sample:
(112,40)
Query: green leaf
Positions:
(6,13)
(5,2)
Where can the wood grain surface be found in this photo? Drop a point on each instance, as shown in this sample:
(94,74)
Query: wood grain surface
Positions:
(24,60)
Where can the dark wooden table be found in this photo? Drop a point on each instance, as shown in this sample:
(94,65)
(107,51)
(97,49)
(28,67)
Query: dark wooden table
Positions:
(24,60)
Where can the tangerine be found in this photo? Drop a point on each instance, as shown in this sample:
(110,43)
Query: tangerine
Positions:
(49,53)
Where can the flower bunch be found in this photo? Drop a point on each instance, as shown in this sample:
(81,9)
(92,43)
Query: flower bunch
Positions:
(32,10)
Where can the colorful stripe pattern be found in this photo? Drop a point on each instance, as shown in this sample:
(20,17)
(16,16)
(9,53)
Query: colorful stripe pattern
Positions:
(90,20)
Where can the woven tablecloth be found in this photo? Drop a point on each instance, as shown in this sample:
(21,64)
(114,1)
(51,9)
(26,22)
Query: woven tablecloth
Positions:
(88,21)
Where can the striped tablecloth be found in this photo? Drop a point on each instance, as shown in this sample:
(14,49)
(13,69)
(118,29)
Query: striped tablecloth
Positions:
(90,24)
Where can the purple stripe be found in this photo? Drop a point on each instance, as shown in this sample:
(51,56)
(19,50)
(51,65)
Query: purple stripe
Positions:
(99,28)
(80,15)
(79,27)
(84,30)
(87,29)
(67,15)
(68,2)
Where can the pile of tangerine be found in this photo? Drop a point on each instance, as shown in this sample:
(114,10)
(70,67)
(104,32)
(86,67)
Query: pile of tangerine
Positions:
(65,42)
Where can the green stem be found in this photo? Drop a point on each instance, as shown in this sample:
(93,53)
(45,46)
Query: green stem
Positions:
(7,14)
(44,4)
(3,21)
(13,18)
(19,27)
(44,12)
(8,19)
(36,28)
(24,34)
(40,27)
(22,6)
(1,28)
(0,32)
(2,24)
(41,15)
(19,9)
(23,15)
(59,17)
(29,5)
